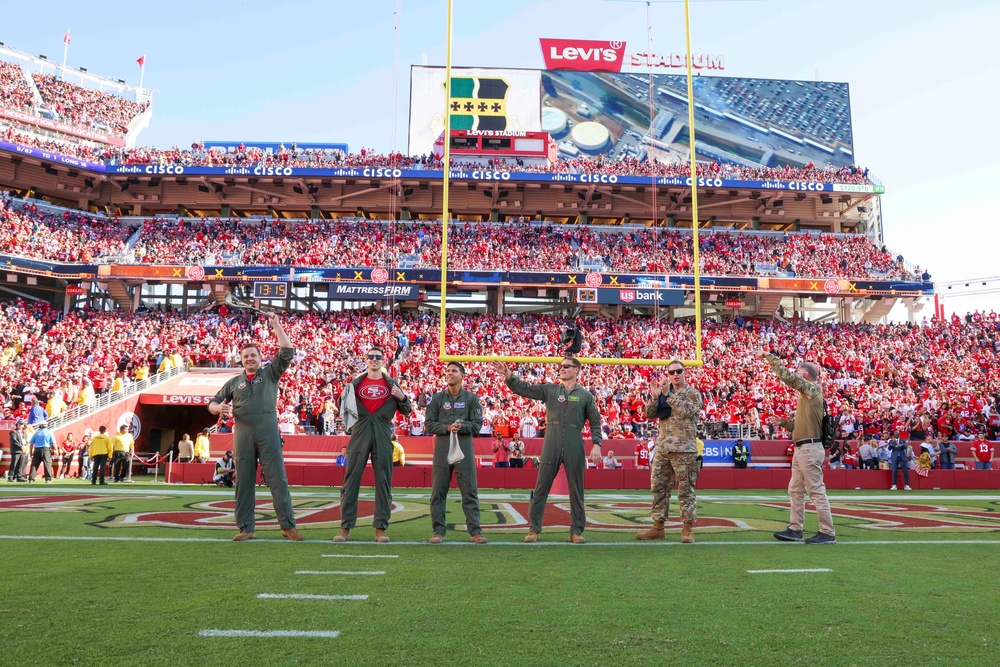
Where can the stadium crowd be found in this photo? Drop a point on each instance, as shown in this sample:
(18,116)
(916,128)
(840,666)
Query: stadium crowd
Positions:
(928,380)
(198,156)
(87,107)
(512,246)
(68,236)
(14,91)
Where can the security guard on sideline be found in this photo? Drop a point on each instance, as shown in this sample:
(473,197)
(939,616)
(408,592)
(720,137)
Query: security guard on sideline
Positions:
(100,449)
(378,398)
(454,410)
(567,406)
(18,453)
(741,454)
(252,398)
(676,405)
(122,445)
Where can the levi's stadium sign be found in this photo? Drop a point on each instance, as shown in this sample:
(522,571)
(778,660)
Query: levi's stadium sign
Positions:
(589,55)
(583,55)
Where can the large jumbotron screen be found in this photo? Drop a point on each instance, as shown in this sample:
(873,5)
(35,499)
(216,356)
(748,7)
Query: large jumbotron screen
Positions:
(753,122)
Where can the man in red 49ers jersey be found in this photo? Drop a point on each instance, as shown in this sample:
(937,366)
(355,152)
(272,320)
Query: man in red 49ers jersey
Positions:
(378,399)
(641,455)
(983,453)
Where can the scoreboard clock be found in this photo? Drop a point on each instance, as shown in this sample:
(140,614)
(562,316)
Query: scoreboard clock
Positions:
(270,290)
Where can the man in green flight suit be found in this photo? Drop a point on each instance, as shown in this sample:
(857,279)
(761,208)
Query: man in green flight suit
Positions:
(457,411)
(567,406)
(251,398)
(378,398)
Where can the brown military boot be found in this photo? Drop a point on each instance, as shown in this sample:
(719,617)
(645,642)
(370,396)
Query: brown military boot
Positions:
(292,534)
(343,535)
(532,536)
(477,538)
(244,536)
(577,538)
(687,533)
(380,536)
(654,533)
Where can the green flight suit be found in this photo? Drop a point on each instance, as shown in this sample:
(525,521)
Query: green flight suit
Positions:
(565,413)
(371,436)
(256,437)
(443,411)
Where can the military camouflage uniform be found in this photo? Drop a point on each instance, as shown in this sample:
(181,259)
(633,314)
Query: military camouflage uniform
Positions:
(676,450)
(807,461)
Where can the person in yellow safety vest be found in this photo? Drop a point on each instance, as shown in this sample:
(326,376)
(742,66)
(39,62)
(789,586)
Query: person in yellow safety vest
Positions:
(122,446)
(699,460)
(176,359)
(741,454)
(398,455)
(86,395)
(118,384)
(55,405)
(165,364)
(100,449)
(201,447)
(141,372)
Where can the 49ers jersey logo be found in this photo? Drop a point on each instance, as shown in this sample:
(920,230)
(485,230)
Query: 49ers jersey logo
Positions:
(374,392)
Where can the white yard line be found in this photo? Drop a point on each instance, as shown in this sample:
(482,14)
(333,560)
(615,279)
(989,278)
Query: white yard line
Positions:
(305,596)
(373,573)
(326,634)
(358,556)
(818,569)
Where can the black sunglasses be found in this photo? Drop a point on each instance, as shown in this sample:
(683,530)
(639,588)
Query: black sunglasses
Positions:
(676,371)
(375,357)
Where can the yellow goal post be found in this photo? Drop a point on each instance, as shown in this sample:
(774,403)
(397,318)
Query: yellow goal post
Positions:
(446,178)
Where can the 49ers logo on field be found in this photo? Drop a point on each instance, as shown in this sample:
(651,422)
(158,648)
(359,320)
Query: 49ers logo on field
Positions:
(374,392)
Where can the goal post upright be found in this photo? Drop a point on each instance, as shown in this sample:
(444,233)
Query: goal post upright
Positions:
(446,179)
(694,189)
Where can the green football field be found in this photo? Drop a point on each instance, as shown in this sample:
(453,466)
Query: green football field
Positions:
(146,574)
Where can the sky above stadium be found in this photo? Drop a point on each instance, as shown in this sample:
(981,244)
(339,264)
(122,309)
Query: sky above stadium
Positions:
(923,85)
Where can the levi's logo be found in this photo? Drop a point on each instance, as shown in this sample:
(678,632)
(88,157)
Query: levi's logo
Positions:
(583,55)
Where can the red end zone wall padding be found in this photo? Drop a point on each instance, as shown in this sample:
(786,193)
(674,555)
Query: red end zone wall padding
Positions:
(604,480)
(309,462)
(420,449)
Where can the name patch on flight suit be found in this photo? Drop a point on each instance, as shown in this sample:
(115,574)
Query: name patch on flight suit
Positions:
(574,399)
(459,406)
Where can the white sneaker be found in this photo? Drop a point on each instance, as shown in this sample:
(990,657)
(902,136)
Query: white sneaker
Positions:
(892,488)
(907,488)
